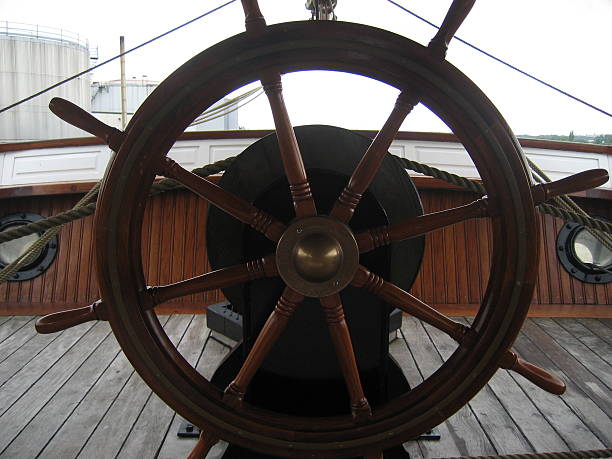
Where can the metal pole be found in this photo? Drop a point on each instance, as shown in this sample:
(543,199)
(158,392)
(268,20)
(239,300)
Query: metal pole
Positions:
(123,92)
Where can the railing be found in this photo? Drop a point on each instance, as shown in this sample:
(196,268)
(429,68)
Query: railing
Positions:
(18,29)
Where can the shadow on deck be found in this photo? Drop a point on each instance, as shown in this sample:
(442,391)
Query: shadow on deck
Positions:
(74,394)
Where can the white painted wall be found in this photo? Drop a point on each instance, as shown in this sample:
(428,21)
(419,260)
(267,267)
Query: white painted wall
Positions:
(48,165)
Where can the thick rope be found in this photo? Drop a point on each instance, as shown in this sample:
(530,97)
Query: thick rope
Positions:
(584,454)
(479,189)
(566,203)
(37,246)
(87,206)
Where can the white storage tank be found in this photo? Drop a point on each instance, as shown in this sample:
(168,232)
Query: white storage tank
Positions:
(33,58)
(106,104)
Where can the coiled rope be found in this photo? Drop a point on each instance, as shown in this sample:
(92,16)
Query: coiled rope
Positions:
(87,206)
(584,454)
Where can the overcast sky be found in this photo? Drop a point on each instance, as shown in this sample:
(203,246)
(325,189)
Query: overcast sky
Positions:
(564,42)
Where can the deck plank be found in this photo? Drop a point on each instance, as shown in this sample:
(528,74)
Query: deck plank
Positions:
(12,325)
(49,419)
(4,319)
(462,428)
(598,328)
(560,416)
(597,421)
(23,378)
(567,363)
(525,414)
(119,420)
(586,356)
(25,407)
(508,438)
(67,393)
(174,446)
(24,355)
(16,340)
(85,419)
(595,343)
(154,422)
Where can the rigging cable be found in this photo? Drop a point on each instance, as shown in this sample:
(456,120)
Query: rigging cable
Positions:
(116,57)
(501,61)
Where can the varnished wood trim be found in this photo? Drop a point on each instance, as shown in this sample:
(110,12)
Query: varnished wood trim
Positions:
(44,189)
(536,310)
(451,310)
(422,183)
(259,133)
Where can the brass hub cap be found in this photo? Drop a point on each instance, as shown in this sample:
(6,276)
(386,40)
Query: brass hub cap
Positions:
(317,256)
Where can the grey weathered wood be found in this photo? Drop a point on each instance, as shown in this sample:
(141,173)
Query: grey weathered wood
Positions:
(525,414)
(16,340)
(578,373)
(12,325)
(68,400)
(173,446)
(560,416)
(595,343)
(154,421)
(462,428)
(508,438)
(4,319)
(399,350)
(23,409)
(113,429)
(49,419)
(22,356)
(84,420)
(598,328)
(28,375)
(586,356)
(596,420)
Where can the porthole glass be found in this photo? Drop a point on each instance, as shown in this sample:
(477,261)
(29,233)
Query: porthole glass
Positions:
(583,256)
(11,250)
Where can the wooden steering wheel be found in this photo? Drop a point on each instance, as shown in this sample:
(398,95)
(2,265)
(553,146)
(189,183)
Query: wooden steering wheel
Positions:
(318,255)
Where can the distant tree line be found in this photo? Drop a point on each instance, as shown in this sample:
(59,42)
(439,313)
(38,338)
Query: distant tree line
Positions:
(600,139)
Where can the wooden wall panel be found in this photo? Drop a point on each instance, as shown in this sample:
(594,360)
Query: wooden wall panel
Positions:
(453,275)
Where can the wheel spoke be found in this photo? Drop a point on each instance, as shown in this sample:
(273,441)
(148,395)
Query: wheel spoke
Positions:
(271,331)
(370,163)
(203,446)
(290,151)
(224,277)
(408,303)
(226,201)
(334,315)
(253,19)
(455,16)
(377,237)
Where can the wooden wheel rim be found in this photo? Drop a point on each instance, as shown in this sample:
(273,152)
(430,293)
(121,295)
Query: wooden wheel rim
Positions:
(289,47)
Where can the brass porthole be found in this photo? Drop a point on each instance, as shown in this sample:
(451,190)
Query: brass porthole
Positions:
(583,256)
(11,250)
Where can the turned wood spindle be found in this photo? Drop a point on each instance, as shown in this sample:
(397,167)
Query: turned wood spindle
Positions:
(540,377)
(417,226)
(75,115)
(341,338)
(269,334)
(224,200)
(253,19)
(289,149)
(455,16)
(203,446)
(574,183)
(367,168)
(62,320)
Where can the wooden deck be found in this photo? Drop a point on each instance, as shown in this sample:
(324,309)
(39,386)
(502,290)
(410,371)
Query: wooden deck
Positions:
(74,394)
